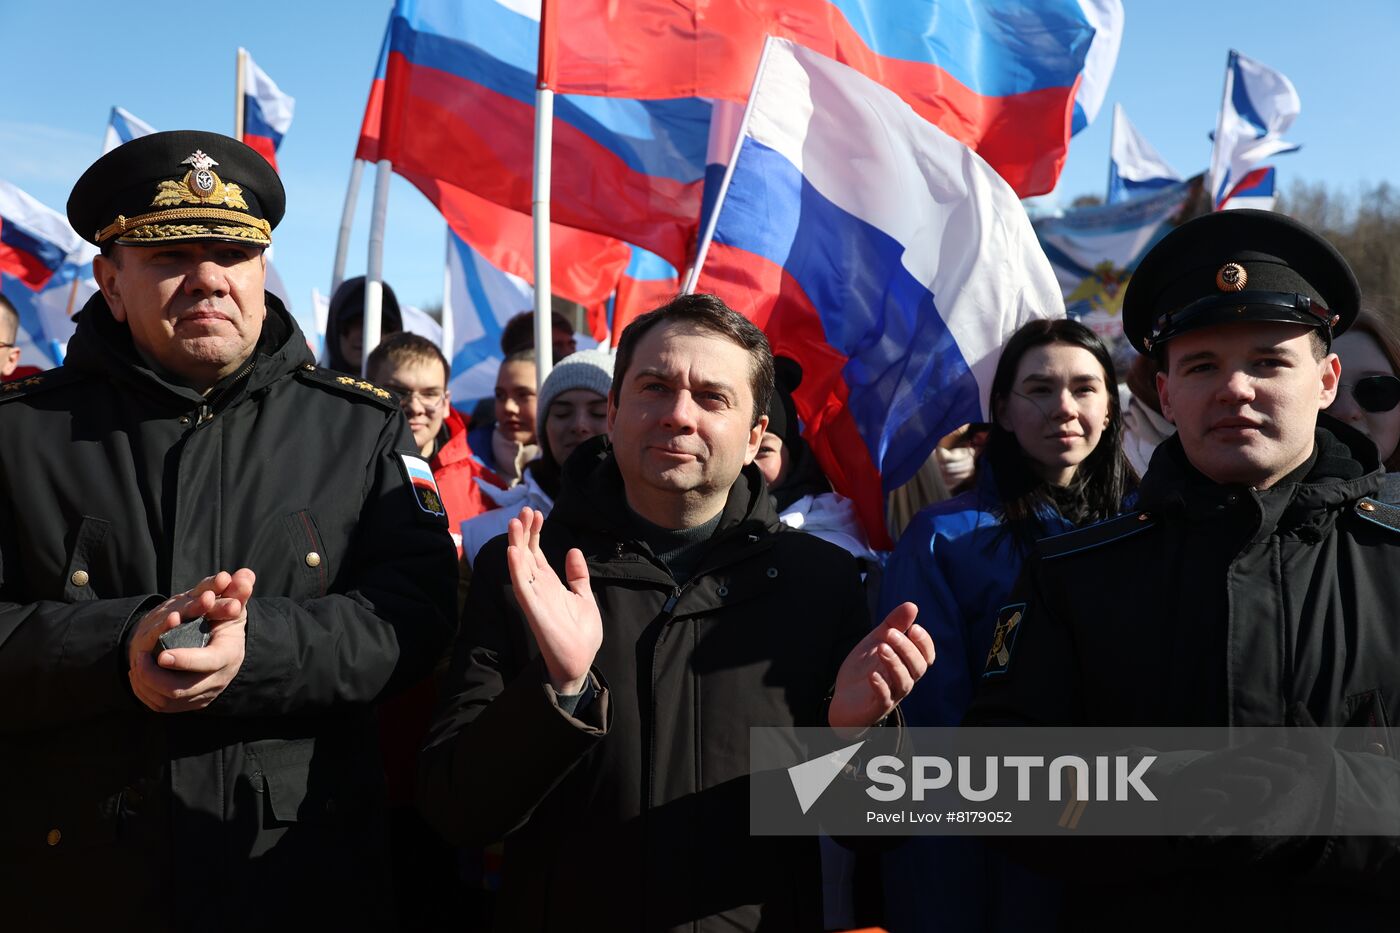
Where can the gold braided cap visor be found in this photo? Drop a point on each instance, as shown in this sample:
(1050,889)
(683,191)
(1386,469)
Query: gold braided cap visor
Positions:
(188,223)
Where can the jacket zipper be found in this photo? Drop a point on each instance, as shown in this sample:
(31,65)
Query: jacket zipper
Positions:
(666,614)
(206,409)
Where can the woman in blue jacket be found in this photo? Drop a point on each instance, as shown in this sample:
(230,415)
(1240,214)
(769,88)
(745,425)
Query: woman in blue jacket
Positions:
(1053,461)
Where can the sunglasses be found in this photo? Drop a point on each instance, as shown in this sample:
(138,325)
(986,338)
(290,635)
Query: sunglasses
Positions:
(1376,393)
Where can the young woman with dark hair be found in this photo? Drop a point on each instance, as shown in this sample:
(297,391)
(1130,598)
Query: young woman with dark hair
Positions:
(1369,399)
(1053,462)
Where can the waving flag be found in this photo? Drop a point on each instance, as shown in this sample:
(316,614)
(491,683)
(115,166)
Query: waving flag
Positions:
(267,112)
(648,283)
(1258,107)
(453,100)
(479,299)
(1255,190)
(1134,167)
(998,75)
(1106,16)
(45,271)
(884,256)
(34,239)
(122,127)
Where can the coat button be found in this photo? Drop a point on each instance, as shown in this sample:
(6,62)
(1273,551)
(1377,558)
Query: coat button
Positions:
(79,578)
(309,367)
(1143,517)
(184,419)
(722,592)
(54,837)
(1365,506)
(1375,748)
(313,559)
(772,573)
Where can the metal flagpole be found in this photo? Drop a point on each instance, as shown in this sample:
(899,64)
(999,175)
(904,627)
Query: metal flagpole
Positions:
(449,330)
(374,272)
(238,93)
(347,222)
(704,246)
(544,141)
(1215,173)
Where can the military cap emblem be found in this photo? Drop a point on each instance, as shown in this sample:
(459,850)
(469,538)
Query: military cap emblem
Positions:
(201,185)
(1232,277)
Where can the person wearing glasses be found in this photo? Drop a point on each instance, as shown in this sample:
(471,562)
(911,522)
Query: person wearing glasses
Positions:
(415,370)
(1369,399)
(9,351)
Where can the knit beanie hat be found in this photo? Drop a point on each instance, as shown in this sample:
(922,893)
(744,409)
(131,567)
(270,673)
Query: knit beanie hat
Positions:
(585,369)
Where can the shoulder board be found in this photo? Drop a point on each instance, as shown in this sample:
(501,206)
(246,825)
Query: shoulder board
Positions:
(1378,513)
(39,382)
(1096,535)
(349,385)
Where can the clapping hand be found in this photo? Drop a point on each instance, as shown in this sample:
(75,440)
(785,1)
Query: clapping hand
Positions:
(565,620)
(880,671)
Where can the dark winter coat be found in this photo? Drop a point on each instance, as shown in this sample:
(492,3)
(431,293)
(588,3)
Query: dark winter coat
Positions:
(1222,605)
(119,488)
(634,815)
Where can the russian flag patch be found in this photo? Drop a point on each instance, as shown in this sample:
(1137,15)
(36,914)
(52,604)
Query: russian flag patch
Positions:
(420,479)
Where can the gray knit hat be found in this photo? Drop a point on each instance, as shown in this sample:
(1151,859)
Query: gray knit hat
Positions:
(586,369)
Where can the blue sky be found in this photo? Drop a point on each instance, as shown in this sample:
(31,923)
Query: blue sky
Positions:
(172,64)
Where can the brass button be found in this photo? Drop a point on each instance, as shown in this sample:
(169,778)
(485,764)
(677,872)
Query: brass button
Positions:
(79,578)
(309,367)
(54,837)
(184,419)
(1365,506)
(313,559)
(1376,748)
(1143,517)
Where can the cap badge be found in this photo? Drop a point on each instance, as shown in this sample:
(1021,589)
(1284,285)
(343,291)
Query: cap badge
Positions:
(201,185)
(1232,277)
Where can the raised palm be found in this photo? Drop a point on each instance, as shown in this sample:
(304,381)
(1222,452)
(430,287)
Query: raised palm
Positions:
(564,619)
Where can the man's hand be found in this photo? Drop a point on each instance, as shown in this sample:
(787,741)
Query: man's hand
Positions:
(185,679)
(880,671)
(565,621)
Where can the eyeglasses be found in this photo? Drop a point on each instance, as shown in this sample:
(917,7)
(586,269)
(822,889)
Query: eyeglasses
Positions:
(1375,393)
(430,399)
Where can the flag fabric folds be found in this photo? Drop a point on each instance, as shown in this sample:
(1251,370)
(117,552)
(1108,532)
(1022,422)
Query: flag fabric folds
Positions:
(34,239)
(1258,107)
(45,271)
(453,100)
(1106,16)
(1134,167)
(648,282)
(1255,190)
(122,127)
(998,75)
(267,111)
(880,253)
(480,298)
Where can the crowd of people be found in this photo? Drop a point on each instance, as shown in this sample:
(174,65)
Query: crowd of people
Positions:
(276,635)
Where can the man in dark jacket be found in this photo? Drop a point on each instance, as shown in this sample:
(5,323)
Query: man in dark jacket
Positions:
(190,460)
(603,728)
(1256,587)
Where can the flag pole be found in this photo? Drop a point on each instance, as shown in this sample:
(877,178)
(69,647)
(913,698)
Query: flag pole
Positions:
(1112,148)
(448,330)
(539,202)
(704,246)
(1220,128)
(240,69)
(374,272)
(347,223)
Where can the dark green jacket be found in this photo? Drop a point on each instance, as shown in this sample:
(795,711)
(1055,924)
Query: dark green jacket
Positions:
(634,815)
(118,488)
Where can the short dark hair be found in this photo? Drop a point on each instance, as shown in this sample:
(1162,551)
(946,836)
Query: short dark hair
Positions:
(9,318)
(519,332)
(708,313)
(405,348)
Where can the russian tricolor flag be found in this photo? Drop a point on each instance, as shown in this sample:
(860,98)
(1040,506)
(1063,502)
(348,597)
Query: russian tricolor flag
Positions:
(648,282)
(1256,190)
(453,99)
(267,112)
(1001,76)
(122,127)
(34,240)
(883,255)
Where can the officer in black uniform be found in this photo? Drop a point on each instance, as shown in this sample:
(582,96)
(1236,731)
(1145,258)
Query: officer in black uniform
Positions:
(191,461)
(1257,586)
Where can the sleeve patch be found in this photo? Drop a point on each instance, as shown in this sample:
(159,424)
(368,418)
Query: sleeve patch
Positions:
(419,477)
(1004,639)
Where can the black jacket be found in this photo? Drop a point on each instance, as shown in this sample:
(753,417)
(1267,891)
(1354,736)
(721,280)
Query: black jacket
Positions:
(1214,606)
(634,815)
(118,488)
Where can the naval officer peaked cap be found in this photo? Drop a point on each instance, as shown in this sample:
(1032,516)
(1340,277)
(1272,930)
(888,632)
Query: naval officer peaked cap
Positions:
(1238,265)
(177,186)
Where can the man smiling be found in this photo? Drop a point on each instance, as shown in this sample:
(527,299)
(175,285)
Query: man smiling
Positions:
(191,464)
(1256,587)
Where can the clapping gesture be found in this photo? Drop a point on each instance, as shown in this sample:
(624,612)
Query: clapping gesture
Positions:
(565,620)
(880,671)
